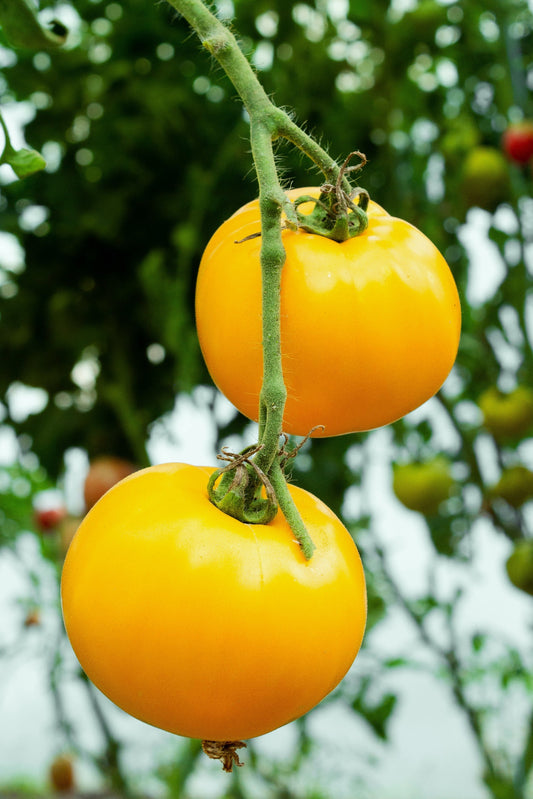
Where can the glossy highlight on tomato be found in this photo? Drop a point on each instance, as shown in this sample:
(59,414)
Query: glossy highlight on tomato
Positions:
(369,327)
(204,626)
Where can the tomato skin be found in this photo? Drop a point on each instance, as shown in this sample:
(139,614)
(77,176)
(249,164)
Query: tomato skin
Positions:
(207,627)
(369,327)
(517,141)
(61,774)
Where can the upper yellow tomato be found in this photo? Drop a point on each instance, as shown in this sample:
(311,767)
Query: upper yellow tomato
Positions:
(207,627)
(369,327)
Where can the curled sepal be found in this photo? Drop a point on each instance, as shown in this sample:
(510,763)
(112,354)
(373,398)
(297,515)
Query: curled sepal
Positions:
(332,219)
(225,751)
(338,214)
(242,490)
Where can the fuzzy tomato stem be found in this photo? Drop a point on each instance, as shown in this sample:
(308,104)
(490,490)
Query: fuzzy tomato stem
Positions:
(223,46)
(267,123)
(273,391)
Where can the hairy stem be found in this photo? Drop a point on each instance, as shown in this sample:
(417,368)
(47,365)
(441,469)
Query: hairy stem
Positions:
(273,392)
(290,511)
(267,124)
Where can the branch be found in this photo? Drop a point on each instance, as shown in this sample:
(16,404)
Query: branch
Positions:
(451,663)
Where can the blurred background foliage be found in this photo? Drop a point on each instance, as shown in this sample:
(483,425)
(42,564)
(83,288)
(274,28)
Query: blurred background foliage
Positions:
(147,153)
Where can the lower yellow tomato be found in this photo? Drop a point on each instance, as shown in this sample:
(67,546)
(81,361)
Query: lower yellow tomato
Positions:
(369,327)
(204,626)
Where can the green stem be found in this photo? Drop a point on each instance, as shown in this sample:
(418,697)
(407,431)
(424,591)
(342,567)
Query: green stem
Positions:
(273,391)
(8,147)
(290,511)
(113,747)
(450,661)
(267,124)
(288,130)
(221,43)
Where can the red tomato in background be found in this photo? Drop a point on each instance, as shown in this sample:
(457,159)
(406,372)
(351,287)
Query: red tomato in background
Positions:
(517,141)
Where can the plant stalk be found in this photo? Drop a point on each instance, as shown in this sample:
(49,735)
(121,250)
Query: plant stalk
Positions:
(267,124)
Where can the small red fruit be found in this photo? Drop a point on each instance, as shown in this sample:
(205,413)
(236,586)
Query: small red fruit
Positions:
(48,519)
(103,473)
(62,774)
(517,141)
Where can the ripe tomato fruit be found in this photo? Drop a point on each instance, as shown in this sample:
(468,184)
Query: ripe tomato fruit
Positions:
(204,626)
(369,327)
(517,141)
(48,519)
(103,473)
(61,774)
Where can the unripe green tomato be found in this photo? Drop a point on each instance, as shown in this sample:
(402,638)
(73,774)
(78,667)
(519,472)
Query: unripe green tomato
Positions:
(460,137)
(485,180)
(515,486)
(423,486)
(507,415)
(519,566)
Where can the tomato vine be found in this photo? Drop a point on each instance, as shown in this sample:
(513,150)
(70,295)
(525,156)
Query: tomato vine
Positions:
(331,218)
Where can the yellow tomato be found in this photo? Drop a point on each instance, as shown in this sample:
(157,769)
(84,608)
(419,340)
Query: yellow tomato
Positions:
(204,626)
(369,327)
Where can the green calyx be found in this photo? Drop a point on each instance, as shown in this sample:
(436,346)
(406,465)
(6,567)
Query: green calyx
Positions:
(242,490)
(340,212)
(252,489)
(335,220)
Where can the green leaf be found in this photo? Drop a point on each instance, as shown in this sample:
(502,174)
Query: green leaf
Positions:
(22,28)
(396,663)
(478,641)
(377,715)
(499,786)
(24,162)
